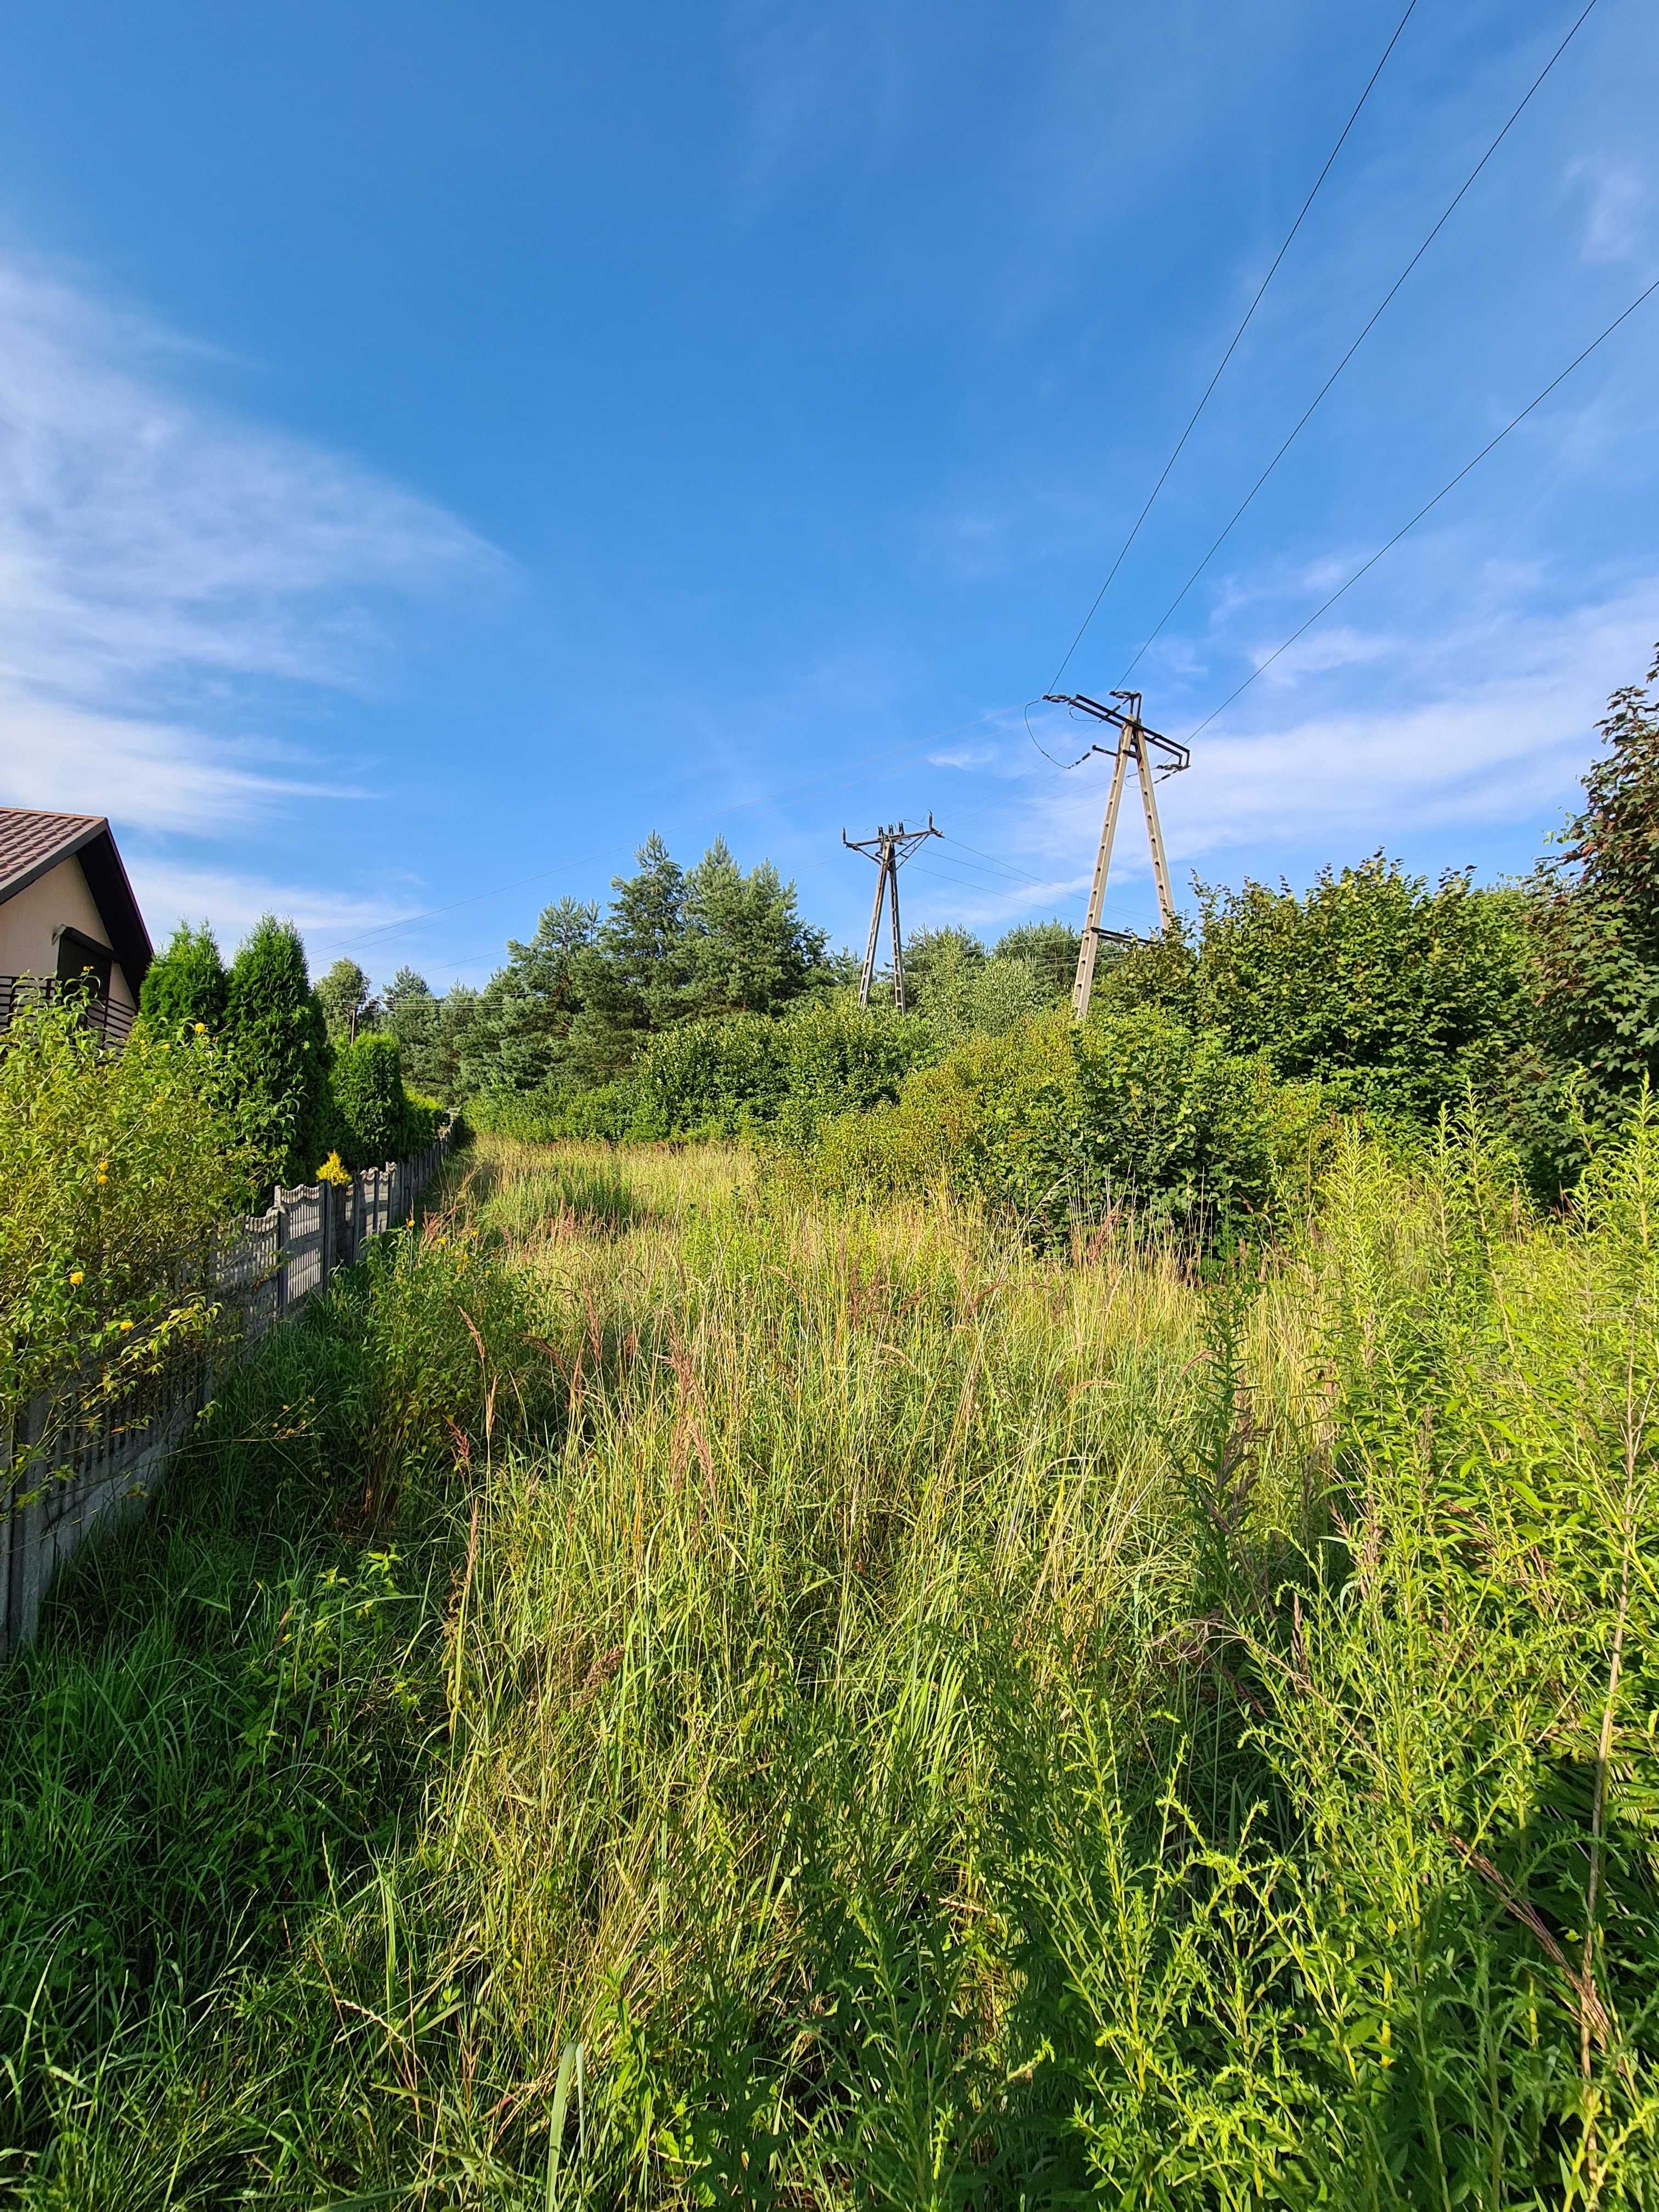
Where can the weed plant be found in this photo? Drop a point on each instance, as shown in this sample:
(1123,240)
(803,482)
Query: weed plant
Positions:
(832,1710)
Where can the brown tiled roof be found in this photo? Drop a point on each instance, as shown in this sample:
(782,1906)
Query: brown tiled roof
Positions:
(31,843)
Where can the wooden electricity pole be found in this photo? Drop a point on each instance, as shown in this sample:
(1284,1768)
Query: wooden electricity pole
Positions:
(888,849)
(1134,741)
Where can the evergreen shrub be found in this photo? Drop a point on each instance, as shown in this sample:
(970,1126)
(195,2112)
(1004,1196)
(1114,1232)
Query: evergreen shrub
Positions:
(186,984)
(376,1120)
(278,1048)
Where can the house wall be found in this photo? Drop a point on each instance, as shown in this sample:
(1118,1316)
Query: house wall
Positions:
(30,921)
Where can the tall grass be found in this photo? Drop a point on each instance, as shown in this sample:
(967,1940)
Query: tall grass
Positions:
(831,1711)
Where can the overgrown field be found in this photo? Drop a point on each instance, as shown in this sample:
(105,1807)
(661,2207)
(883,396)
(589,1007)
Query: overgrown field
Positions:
(661,1691)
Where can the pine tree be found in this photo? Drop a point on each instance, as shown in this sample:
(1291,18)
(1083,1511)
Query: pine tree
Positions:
(746,949)
(518,1035)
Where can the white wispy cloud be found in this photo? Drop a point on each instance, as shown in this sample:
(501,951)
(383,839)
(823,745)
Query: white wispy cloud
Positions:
(173,890)
(1487,720)
(1618,199)
(166,570)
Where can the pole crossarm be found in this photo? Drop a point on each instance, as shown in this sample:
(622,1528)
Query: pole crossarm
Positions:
(1177,756)
(890,848)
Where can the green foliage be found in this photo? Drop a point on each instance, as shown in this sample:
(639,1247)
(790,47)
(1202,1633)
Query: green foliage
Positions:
(432,1032)
(928,1726)
(518,1036)
(347,1001)
(278,1048)
(229,1712)
(958,992)
(186,984)
(842,1057)
(375,1118)
(1598,917)
(117,1170)
(721,1079)
(1049,948)
(1062,1127)
(1397,997)
(575,1007)
(747,949)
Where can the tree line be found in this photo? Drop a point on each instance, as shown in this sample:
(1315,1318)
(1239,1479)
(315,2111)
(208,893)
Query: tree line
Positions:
(687,1005)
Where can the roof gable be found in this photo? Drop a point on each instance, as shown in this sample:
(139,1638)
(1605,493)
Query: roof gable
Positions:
(32,843)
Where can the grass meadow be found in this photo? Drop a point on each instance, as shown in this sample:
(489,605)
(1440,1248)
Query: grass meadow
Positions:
(662,1692)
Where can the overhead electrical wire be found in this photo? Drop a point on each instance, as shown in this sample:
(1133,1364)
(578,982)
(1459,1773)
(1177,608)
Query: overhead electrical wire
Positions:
(990,859)
(1365,332)
(1233,347)
(1451,485)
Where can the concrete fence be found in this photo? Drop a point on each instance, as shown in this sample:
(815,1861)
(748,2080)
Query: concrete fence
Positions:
(260,1274)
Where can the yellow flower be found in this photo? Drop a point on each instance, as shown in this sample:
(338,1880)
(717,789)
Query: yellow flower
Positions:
(201,1029)
(126,1325)
(77,1275)
(102,1177)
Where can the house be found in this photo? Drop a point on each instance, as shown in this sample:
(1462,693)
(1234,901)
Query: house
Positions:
(67,913)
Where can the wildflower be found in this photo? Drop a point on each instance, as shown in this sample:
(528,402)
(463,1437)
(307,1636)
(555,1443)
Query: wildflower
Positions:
(201,1029)
(77,1275)
(125,1325)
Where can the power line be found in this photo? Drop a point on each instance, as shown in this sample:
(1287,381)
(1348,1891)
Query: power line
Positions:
(1451,486)
(1232,348)
(965,883)
(1375,318)
(991,860)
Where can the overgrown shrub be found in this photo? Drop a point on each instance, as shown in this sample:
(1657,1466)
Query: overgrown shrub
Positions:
(719,1078)
(1398,998)
(117,1170)
(1057,1126)
(840,1057)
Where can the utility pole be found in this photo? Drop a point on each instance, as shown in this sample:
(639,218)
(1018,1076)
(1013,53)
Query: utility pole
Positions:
(1136,742)
(888,849)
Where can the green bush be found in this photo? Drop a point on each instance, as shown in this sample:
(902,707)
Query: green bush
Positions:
(840,1057)
(186,984)
(279,1048)
(117,1169)
(543,1117)
(717,1077)
(1057,1126)
(1397,997)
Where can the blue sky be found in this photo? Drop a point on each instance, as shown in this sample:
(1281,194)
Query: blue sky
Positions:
(438,447)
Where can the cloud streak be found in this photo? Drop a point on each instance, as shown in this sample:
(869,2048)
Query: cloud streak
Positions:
(169,575)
